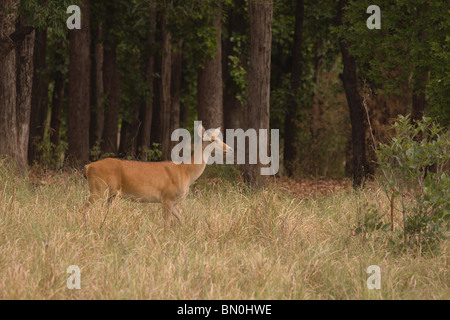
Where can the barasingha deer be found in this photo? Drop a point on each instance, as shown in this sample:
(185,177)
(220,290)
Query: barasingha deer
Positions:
(161,182)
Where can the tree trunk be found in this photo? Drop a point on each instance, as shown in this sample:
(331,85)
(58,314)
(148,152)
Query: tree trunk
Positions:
(10,37)
(129,133)
(8,116)
(355,107)
(57,106)
(16,81)
(97,100)
(147,106)
(418,96)
(209,84)
(290,122)
(24,84)
(166,104)
(79,91)
(111,83)
(175,88)
(39,96)
(234,111)
(155,132)
(259,76)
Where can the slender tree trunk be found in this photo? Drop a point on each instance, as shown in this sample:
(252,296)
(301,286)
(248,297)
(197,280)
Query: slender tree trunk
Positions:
(129,133)
(184,112)
(57,106)
(155,133)
(39,96)
(418,97)
(209,84)
(261,13)
(290,122)
(79,91)
(175,88)
(357,119)
(111,83)
(166,103)
(97,100)
(234,111)
(147,106)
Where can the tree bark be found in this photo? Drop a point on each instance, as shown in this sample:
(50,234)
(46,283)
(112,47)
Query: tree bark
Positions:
(97,91)
(39,96)
(166,104)
(147,106)
(79,91)
(129,133)
(418,96)
(24,84)
(57,106)
(290,121)
(8,115)
(357,119)
(261,13)
(16,80)
(111,82)
(209,84)
(175,87)
(155,132)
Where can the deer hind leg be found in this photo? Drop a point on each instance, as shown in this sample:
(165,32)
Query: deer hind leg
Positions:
(176,211)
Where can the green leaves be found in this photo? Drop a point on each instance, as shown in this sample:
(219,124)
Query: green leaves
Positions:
(414,165)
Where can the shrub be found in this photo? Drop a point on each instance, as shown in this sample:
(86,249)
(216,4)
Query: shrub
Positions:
(414,167)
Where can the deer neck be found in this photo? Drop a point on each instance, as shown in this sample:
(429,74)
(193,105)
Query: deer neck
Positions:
(193,170)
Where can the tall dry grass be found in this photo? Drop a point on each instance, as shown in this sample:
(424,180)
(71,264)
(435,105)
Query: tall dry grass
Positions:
(235,244)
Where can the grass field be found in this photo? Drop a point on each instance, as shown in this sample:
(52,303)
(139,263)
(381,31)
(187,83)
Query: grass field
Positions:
(235,244)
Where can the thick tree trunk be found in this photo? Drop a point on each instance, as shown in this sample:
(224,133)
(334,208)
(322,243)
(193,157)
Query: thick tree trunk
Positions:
(209,84)
(79,91)
(10,38)
(234,112)
(39,96)
(357,119)
(16,80)
(111,83)
(166,103)
(24,84)
(8,115)
(97,92)
(290,122)
(261,13)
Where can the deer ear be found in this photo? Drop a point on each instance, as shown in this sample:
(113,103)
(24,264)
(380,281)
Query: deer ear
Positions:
(200,131)
(216,131)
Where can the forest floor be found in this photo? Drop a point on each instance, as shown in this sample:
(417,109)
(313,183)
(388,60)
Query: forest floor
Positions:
(294,239)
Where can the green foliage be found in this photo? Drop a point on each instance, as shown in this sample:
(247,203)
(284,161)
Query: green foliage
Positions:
(51,15)
(371,221)
(50,156)
(415,168)
(413,39)
(237,69)
(152,154)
